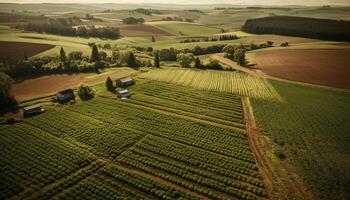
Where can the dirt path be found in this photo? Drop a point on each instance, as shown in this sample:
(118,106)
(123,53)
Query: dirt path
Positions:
(281,179)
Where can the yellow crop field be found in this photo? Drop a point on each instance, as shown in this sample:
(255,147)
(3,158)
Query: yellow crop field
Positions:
(223,81)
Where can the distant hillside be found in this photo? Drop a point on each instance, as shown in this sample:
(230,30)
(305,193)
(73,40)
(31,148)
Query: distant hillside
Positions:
(301,27)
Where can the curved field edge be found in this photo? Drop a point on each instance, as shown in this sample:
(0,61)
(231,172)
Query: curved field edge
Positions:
(310,127)
(222,81)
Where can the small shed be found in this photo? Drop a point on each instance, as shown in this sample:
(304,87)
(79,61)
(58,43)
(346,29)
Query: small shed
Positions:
(125,82)
(123,94)
(32,110)
(65,96)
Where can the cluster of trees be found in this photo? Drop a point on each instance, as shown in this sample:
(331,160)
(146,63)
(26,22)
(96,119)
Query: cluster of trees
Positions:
(212,39)
(75,61)
(236,53)
(176,19)
(146,11)
(6,99)
(85,92)
(189,60)
(133,20)
(324,29)
(64,26)
(171,54)
(284,44)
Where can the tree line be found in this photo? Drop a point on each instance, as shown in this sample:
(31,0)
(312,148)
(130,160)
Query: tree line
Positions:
(73,62)
(324,29)
(65,27)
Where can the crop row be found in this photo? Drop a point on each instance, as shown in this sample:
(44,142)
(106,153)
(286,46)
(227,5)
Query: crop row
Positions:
(96,187)
(183,109)
(200,135)
(197,157)
(178,93)
(233,82)
(190,174)
(32,158)
(99,137)
(146,185)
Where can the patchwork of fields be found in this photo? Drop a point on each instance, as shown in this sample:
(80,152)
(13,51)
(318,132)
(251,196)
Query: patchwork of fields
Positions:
(151,146)
(232,82)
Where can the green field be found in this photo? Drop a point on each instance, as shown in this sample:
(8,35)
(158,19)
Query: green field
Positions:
(68,43)
(196,141)
(232,82)
(186,29)
(311,127)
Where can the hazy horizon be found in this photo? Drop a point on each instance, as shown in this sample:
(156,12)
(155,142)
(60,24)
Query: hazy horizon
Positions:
(233,2)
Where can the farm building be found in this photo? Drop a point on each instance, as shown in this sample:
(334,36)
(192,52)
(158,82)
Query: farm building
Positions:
(123,94)
(32,110)
(65,96)
(125,82)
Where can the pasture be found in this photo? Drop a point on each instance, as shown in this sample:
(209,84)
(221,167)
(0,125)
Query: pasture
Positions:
(193,146)
(141,30)
(328,67)
(185,29)
(68,43)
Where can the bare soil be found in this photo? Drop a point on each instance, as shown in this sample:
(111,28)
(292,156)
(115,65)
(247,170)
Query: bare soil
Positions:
(327,67)
(141,30)
(19,49)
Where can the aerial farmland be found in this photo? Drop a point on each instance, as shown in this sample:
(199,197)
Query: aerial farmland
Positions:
(174,101)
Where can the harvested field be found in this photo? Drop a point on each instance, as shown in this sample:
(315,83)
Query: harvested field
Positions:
(141,30)
(322,67)
(18,49)
(47,85)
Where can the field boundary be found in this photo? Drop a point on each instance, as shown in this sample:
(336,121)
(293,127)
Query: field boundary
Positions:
(280,178)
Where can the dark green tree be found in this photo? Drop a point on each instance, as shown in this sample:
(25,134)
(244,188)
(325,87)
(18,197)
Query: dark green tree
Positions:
(6,99)
(156,59)
(240,57)
(109,84)
(153,39)
(62,55)
(132,60)
(95,56)
(197,63)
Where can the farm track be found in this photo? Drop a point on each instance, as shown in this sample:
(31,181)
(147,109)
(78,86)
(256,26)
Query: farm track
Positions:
(273,170)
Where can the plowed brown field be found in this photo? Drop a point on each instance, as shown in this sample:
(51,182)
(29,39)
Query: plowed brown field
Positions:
(18,49)
(328,67)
